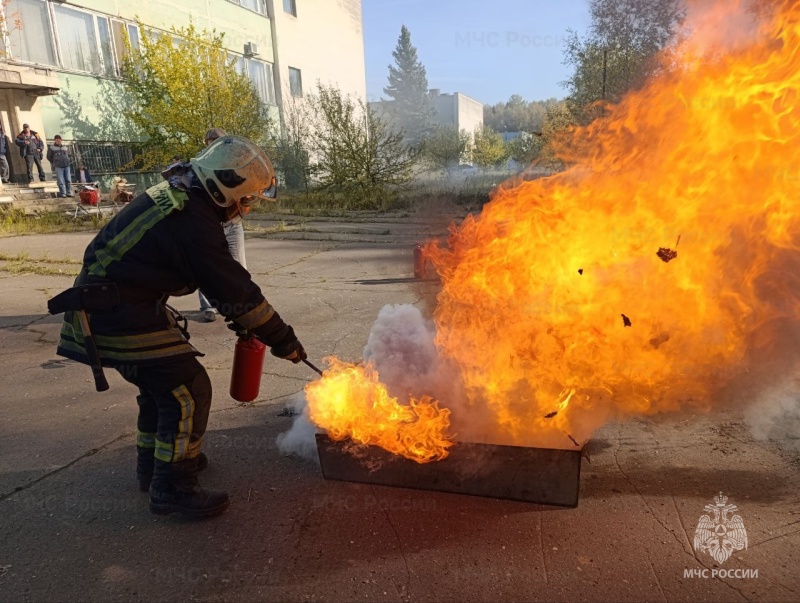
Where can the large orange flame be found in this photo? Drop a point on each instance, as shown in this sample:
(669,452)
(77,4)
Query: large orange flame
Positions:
(652,272)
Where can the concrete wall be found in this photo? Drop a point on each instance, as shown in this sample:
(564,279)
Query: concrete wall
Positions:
(458,110)
(325,41)
(470,112)
(446,110)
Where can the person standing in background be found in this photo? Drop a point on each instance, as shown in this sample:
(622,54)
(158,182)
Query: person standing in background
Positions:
(58,156)
(30,149)
(5,150)
(234,234)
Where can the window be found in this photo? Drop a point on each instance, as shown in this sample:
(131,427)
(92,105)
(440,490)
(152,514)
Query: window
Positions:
(270,97)
(240,65)
(106,45)
(295,82)
(57,35)
(122,29)
(257,6)
(261,75)
(259,72)
(33,42)
(290,6)
(133,35)
(77,39)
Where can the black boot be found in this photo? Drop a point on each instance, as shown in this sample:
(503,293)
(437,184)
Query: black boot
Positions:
(145,462)
(175,489)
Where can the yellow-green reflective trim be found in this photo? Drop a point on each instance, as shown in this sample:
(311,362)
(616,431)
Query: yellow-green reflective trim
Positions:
(125,240)
(164,451)
(145,439)
(124,341)
(175,350)
(184,398)
(257,316)
(166,200)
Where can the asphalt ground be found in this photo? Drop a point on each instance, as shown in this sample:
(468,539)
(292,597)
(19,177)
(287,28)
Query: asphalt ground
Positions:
(74,527)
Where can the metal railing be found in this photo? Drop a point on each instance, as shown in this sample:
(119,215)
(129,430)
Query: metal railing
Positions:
(105,158)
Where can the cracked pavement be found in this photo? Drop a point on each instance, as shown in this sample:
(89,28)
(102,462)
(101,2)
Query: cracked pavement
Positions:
(73,525)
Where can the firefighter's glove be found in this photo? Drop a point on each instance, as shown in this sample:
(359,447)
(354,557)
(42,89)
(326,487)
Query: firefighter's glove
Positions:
(291,350)
(281,339)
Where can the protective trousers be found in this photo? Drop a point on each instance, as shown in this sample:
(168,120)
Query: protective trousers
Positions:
(174,402)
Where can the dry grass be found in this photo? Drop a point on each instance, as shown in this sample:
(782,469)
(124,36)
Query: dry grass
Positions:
(22,263)
(469,193)
(17,222)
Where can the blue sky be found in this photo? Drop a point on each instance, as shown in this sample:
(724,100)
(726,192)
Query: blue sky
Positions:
(487,49)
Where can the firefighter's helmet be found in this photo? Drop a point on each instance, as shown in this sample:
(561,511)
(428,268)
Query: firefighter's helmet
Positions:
(235,171)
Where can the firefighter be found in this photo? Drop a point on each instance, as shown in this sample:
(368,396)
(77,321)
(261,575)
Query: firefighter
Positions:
(169,241)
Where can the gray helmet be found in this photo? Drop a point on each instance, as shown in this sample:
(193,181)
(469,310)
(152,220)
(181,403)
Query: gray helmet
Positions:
(235,171)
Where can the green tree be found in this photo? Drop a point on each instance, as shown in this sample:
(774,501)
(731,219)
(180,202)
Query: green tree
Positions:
(488,149)
(526,148)
(180,90)
(517,114)
(292,150)
(617,53)
(412,110)
(557,124)
(356,154)
(445,147)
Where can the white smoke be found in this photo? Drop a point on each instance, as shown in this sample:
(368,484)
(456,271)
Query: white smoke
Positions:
(775,414)
(299,440)
(401,346)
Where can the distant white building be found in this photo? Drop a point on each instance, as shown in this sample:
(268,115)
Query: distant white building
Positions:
(456,109)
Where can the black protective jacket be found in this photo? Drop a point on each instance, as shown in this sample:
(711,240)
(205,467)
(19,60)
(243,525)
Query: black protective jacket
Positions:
(165,242)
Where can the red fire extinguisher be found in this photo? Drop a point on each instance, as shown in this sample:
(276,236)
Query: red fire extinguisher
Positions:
(419,262)
(248,362)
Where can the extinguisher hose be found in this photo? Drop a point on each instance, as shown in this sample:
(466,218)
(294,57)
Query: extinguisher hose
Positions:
(312,366)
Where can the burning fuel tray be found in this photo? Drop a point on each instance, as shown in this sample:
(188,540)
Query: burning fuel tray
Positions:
(536,475)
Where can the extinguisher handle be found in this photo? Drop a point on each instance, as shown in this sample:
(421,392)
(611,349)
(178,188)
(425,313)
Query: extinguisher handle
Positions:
(240,331)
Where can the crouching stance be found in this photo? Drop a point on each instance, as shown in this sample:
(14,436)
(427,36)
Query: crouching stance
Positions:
(169,241)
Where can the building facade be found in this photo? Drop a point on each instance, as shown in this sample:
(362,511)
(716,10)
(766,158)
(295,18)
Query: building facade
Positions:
(457,109)
(54,49)
(318,40)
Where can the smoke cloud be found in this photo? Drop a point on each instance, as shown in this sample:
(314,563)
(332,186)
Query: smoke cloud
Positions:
(776,414)
(299,440)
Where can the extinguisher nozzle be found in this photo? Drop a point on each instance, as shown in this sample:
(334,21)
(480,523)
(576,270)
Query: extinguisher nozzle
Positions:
(312,366)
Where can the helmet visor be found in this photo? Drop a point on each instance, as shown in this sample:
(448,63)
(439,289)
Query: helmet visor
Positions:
(268,194)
